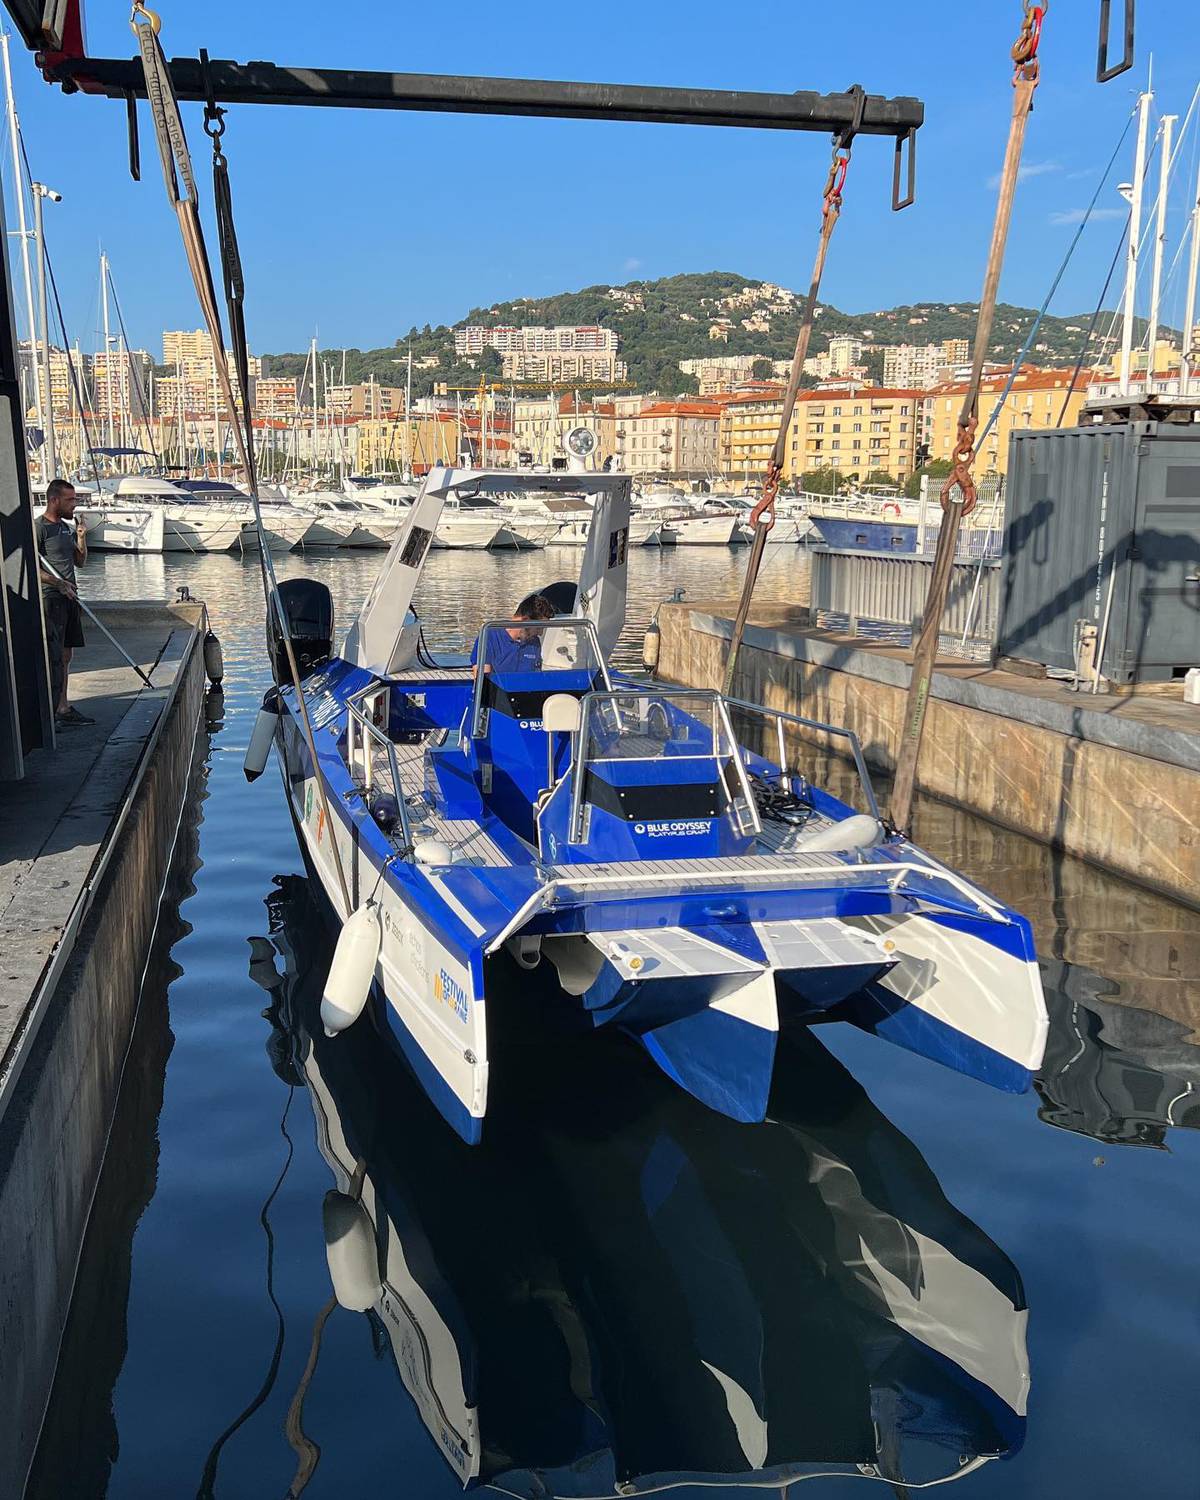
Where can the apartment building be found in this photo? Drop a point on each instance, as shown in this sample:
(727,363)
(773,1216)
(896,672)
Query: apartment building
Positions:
(540,426)
(386,445)
(534,339)
(1035,401)
(854,430)
(366,399)
(845,353)
(599,368)
(923,365)
(180,344)
(676,438)
(275,395)
(120,381)
(33,376)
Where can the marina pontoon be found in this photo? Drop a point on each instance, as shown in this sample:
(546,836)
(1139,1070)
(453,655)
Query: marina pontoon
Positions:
(536,838)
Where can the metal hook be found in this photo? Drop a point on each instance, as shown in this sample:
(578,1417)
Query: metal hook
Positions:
(844,138)
(1103,71)
(214,115)
(135,145)
(911,193)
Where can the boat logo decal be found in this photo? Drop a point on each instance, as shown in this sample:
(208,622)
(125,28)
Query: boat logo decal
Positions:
(681,828)
(530,724)
(308,802)
(617,542)
(447,991)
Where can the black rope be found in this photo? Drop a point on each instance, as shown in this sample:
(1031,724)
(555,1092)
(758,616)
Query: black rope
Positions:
(209,1477)
(137,384)
(75,382)
(1091,329)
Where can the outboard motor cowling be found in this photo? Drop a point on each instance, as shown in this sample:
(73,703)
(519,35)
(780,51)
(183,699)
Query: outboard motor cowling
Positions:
(307,623)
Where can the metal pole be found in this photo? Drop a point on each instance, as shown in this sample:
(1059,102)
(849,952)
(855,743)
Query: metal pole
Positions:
(14,135)
(1135,235)
(50,455)
(1160,240)
(99,624)
(108,385)
(1189,315)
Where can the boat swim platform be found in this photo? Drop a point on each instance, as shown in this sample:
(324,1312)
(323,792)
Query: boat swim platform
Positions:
(86,844)
(1111,779)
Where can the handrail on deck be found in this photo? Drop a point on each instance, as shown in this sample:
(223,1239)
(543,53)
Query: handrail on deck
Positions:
(781,718)
(710,870)
(357,722)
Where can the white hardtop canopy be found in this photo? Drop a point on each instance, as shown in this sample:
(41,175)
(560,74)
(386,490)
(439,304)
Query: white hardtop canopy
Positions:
(384,636)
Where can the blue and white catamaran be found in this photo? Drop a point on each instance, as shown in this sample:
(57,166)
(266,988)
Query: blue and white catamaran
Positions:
(541,835)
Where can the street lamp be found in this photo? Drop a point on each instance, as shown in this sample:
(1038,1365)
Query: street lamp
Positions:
(40,193)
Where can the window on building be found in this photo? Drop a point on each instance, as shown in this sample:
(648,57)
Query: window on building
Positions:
(858,412)
(837,411)
(856,443)
(836,443)
(857,427)
(904,409)
(837,427)
(903,426)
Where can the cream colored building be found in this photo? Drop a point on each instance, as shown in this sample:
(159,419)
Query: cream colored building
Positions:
(366,399)
(180,344)
(540,425)
(854,430)
(275,395)
(677,438)
(1035,401)
(387,445)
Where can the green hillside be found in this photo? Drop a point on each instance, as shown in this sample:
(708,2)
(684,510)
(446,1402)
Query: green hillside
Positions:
(662,322)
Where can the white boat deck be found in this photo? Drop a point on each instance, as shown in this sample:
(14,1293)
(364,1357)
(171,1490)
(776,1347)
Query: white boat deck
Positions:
(470,844)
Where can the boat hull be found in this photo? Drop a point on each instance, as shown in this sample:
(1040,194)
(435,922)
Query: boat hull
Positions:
(953,978)
(119,529)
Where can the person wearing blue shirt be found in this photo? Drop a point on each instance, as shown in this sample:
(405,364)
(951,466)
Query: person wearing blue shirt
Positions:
(515,649)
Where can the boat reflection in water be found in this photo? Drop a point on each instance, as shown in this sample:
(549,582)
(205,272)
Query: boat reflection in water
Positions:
(621,1290)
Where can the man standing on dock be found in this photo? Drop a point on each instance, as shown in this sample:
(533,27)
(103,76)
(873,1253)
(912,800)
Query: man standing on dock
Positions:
(61,546)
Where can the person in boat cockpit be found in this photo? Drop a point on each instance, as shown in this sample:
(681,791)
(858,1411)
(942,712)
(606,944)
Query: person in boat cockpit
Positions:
(516,649)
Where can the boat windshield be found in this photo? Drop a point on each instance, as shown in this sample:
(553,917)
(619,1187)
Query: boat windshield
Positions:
(557,645)
(634,725)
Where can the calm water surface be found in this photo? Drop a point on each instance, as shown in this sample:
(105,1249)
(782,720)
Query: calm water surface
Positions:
(621,1283)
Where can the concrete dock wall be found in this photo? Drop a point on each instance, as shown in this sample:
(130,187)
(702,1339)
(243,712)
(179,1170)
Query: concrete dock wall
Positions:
(1123,795)
(57,1116)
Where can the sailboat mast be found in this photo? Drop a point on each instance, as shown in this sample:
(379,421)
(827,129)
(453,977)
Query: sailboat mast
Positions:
(1189,314)
(1160,240)
(1135,234)
(315,413)
(108,385)
(14,136)
(408,469)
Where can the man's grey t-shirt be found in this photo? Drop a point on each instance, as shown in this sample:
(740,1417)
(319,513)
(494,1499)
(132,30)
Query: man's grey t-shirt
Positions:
(56,543)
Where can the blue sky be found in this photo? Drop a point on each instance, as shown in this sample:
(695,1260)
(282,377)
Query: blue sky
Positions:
(357,224)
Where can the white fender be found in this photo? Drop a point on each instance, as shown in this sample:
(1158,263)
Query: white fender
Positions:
(350,1251)
(352,969)
(260,742)
(651,645)
(433,852)
(857,832)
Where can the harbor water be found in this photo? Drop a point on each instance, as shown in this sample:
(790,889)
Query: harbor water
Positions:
(628,1292)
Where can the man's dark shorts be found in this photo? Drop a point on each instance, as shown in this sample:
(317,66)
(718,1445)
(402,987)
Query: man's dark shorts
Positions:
(64,631)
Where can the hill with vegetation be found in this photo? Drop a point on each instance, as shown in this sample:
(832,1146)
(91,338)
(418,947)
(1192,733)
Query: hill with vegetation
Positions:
(662,322)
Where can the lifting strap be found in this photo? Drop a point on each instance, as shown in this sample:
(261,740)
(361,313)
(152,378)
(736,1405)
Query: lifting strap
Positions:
(762,517)
(958,494)
(177,165)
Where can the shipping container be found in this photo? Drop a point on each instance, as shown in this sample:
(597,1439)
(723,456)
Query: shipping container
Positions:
(1102,526)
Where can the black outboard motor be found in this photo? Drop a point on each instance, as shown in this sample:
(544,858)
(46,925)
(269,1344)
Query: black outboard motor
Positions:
(562,596)
(307,623)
